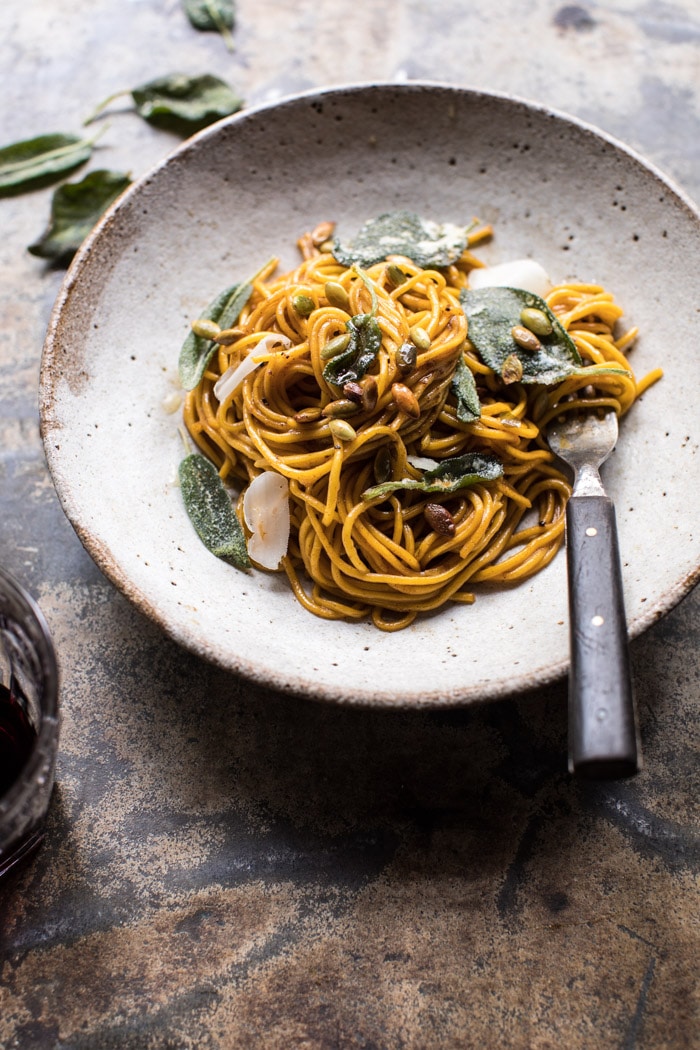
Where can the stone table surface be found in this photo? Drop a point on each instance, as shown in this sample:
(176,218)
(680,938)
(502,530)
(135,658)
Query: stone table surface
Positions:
(225,867)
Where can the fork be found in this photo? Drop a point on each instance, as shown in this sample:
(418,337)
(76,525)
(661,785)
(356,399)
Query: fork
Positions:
(603,733)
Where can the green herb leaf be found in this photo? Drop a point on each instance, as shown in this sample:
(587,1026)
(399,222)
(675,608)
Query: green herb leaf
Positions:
(212,16)
(365,341)
(210,510)
(37,162)
(75,208)
(180,103)
(196,351)
(464,388)
(428,244)
(492,313)
(453,474)
(185,104)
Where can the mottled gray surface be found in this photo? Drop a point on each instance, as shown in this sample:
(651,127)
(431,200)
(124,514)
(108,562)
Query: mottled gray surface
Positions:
(227,868)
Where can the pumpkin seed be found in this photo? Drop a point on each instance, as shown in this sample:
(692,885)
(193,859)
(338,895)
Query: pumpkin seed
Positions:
(405,399)
(406,357)
(335,346)
(308,415)
(525,338)
(439,519)
(536,320)
(512,371)
(420,337)
(363,393)
(395,275)
(337,296)
(303,304)
(341,430)
(206,329)
(382,467)
(353,391)
(341,408)
(370,393)
(229,335)
(322,233)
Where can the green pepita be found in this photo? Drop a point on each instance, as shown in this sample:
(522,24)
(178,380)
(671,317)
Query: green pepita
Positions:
(206,329)
(420,337)
(536,320)
(337,296)
(335,346)
(341,430)
(227,336)
(341,408)
(303,304)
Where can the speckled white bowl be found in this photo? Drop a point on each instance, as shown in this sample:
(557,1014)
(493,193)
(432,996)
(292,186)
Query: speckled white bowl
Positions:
(555,189)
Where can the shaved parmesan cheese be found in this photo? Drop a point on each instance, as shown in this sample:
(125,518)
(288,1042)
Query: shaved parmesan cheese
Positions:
(232,378)
(519,273)
(422,462)
(266,513)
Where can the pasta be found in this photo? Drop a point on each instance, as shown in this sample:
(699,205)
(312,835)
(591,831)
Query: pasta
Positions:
(404,551)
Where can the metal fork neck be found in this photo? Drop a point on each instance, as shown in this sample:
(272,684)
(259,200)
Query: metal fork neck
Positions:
(587,481)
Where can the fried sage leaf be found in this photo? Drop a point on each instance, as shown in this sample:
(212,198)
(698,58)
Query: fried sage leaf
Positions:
(75,208)
(451,475)
(492,314)
(216,16)
(210,510)
(180,103)
(427,243)
(32,163)
(365,341)
(196,350)
(464,389)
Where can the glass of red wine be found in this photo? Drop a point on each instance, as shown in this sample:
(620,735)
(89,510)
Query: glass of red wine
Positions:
(29,723)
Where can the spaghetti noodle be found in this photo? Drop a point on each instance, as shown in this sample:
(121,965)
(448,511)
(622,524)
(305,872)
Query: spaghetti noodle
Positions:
(358,549)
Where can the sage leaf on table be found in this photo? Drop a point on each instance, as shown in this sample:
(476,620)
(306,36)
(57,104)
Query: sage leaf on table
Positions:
(36,162)
(179,103)
(427,243)
(216,16)
(75,208)
(211,511)
(451,475)
(493,312)
(463,387)
(224,310)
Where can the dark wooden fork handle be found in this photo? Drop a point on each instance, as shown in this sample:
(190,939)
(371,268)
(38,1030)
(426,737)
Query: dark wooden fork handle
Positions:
(603,735)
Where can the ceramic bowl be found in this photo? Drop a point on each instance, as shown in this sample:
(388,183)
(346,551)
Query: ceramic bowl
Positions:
(555,189)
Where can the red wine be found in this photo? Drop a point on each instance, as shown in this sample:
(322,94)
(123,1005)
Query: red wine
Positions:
(17,737)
